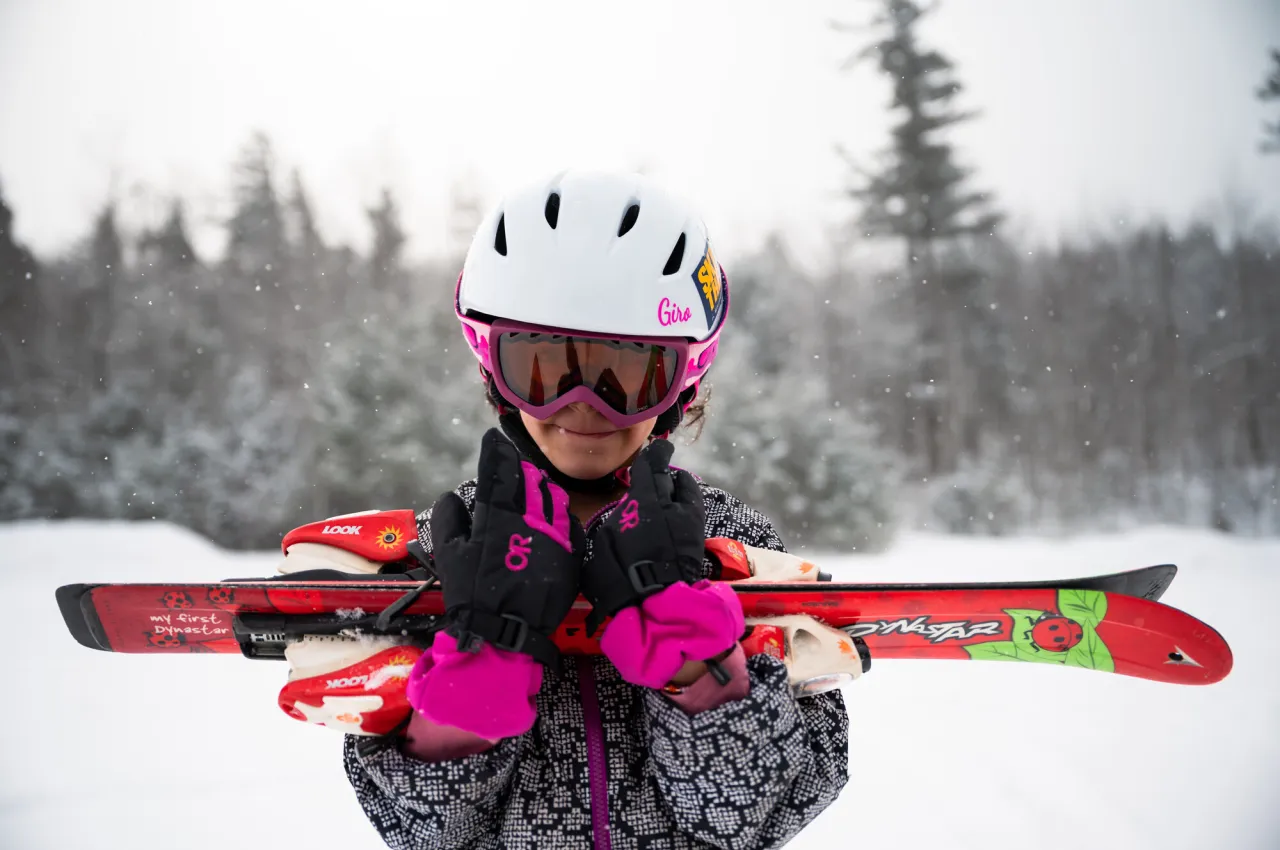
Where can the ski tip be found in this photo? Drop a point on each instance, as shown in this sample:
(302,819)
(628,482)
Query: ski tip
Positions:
(1159,578)
(71,598)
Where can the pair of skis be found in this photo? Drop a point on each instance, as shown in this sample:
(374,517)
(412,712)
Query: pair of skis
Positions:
(1111,623)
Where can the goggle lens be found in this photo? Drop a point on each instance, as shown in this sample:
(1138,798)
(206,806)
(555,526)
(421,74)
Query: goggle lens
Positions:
(631,377)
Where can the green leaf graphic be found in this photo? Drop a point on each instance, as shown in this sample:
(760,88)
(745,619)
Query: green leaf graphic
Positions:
(1024,619)
(1027,616)
(1091,653)
(1086,607)
(1007,650)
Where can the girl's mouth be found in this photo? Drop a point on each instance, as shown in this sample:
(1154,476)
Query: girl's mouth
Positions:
(599,435)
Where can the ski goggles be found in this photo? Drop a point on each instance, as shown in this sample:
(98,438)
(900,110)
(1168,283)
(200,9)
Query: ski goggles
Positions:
(627,379)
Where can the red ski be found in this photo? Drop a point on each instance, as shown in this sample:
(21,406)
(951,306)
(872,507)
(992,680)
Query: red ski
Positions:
(1109,623)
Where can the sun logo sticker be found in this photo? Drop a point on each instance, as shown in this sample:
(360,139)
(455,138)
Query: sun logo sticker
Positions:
(710,286)
(389,538)
(401,664)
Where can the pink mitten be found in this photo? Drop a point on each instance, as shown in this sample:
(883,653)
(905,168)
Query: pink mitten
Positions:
(650,642)
(509,573)
(489,693)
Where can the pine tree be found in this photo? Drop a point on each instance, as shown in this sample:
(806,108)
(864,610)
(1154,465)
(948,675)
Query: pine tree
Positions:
(388,243)
(775,437)
(814,468)
(257,242)
(16,262)
(168,248)
(400,410)
(317,281)
(308,245)
(918,194)
(1268,91)
(19,363)
(107,274)
(168,334)
(259,288)
(19,303)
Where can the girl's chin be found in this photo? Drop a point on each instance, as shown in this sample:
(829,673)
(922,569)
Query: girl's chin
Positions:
(585,471)
(588,462)
(581,456)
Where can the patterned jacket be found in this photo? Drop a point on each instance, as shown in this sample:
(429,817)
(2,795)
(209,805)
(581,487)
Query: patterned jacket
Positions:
(612,765)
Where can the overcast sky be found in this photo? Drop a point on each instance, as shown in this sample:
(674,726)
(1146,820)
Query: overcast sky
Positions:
(1090,108)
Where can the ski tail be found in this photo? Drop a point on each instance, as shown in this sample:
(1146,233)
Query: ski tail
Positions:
(76,604)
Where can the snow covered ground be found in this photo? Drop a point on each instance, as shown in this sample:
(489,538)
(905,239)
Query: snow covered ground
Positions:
(116,751)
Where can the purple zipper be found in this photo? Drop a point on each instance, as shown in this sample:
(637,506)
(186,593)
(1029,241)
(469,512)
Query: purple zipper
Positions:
(599,514)
(597,765)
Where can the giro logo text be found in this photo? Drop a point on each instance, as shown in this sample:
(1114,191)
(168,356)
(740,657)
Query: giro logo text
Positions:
(341,529)
(671,313)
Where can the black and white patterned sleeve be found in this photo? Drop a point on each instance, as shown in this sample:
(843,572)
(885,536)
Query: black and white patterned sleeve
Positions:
(416,805)
(428,805)
(466,491)
(750,773)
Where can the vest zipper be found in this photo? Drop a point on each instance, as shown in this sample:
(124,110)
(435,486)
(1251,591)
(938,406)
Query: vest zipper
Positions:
(597,763)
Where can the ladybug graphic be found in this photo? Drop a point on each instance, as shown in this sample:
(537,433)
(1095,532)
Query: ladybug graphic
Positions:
(1055,633)
(222,595)
(177,599)
(166,641)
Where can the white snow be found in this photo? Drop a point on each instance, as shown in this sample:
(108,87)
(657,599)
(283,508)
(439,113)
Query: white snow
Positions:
(118,751)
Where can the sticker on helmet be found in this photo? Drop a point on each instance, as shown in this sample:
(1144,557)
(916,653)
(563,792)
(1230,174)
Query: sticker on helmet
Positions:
(707,278)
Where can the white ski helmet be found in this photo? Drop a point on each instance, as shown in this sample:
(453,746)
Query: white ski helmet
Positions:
(604,254)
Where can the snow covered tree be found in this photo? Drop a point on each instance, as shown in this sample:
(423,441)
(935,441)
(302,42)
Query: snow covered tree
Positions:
(168,248)
(774,437)
(258,287)
(308,246)
(1268,91)
(17,498)
(388,243)
(257,240)
(19,304)
(815,469)
(165,331)
(317,283)
(400,412)
(228,467)
(16,262)
(107,274)
(777,308)
(918,194)
(986,494)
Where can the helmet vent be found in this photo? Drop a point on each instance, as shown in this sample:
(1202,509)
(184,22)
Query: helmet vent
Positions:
(500,241)
(629,219)
(552,209)
(676,259)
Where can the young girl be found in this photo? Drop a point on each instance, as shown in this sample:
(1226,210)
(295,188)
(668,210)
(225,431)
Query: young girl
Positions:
(594,305)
